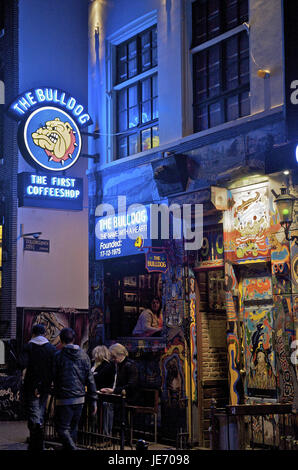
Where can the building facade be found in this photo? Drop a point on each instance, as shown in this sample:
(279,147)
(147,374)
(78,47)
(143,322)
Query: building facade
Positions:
(190,102)
(193,107)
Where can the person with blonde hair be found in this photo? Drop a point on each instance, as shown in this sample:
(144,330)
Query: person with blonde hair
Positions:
(126,373)
(103,369)
(104,376)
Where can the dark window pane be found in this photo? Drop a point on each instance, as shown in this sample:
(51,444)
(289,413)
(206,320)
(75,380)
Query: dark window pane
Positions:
(146,111)
(155,108)
(215,114)
(122,147)
(232,108)
(132,49)
(133,95)
(132,68)
(146,139)
(122,121)
(244,104)
(202,118)
(154,86)
(122,100)
(133,144)
(146,89)
(133,117)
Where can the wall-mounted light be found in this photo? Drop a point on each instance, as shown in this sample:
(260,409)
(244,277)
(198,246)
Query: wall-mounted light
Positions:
(285,206)
(262,73)
(35,235)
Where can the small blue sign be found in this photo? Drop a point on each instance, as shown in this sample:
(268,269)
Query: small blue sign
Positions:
(48,191)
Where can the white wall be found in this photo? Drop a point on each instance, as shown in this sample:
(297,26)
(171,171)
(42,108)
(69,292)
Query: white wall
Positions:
(53,51)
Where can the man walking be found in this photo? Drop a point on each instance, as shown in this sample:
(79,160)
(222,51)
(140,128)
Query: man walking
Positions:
(72,374)
(37,359)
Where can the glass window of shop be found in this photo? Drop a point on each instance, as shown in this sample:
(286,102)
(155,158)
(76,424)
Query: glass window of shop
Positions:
(129,289)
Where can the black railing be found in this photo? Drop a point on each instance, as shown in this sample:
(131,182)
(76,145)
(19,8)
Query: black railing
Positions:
(92,434)
(258,426)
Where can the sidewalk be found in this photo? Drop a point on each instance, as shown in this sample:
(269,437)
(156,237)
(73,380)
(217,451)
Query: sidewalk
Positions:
(13,435)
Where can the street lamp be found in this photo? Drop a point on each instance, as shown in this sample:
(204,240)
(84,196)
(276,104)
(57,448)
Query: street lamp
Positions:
(285,204)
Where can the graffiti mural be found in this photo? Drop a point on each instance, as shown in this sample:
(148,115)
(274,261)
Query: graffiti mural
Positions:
(247,225)
(259,355)
(233,336)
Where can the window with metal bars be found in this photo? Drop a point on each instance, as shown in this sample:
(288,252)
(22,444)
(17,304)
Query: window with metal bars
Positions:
(221,69)
(137,103)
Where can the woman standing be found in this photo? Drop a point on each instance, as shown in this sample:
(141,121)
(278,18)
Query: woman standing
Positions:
(104,376)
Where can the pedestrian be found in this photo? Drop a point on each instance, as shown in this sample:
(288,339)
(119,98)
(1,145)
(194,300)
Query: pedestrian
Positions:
(104,376)
(150,321)
(126,374)
(103,369)
(37,359)
(72,375)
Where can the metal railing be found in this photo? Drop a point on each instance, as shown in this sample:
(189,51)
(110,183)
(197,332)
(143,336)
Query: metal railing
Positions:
(251,427)
(91,431)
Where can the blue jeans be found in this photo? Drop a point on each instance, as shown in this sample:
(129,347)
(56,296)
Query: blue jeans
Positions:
(36,407)
(108,416)
(67,419)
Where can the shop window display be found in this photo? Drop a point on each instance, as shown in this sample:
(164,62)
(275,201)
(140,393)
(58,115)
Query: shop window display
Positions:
(129,292)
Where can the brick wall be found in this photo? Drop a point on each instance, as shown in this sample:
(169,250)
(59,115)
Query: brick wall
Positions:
(214,369)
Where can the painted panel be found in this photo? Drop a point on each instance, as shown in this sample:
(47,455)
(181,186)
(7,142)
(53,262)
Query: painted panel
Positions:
(259,355)
(247,224)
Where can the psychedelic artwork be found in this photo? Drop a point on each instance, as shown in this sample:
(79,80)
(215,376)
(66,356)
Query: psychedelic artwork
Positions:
(259,289)
(193,339)
(259,355)
(247,225)
(233,337)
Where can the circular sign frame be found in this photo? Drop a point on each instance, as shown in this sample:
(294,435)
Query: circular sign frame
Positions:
(50,138)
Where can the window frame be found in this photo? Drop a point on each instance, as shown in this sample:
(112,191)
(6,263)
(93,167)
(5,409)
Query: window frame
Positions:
(137,27)
(224,94)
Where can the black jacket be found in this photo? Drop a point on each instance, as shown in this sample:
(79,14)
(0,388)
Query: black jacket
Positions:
(104,375)
(38,362)
(72,373)
(127,379)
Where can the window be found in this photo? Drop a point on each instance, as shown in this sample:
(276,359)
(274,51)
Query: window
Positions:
(220,62)
(137,94)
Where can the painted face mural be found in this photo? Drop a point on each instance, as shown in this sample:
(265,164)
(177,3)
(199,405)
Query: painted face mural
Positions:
(57,138)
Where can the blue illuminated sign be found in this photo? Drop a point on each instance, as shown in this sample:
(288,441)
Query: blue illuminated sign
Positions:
(113,234)
(56,192)
(49,132)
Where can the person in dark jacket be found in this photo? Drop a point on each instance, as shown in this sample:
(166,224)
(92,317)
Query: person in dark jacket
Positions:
(103,369)
(104,376)
(72,374)
(126,374)
(37,359)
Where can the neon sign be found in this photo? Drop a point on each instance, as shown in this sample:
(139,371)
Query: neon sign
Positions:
(36,190)
(49,132)
(121,234)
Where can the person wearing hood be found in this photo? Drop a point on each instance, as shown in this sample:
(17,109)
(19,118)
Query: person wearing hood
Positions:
(72,375)
(37,359)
